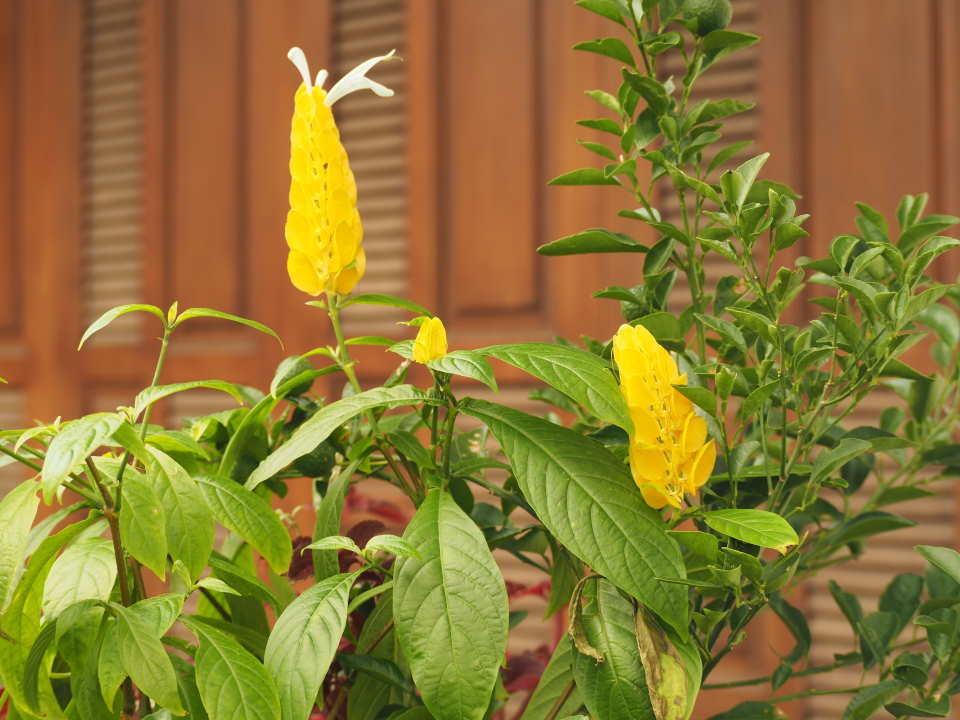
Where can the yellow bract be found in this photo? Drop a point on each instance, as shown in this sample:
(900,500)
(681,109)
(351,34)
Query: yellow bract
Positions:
(323,227)
(431,342)
(669,452)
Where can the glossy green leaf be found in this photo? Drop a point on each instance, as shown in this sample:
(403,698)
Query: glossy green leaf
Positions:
(233,684)
(757,527)
(830,460)
(929,708)
(869,700)
(450,610)
(796,623)
(85,571)
(902,598)
(329,513)
(594,240)
(319,427)
(334,543)
(391,544)
(113,313)
(947,559)
(387,301)
(576,373)
(145,660)
(869,523)
(251,517)
(147,397)
(143,523)
(584,176)
(615,687)
(609,9)
(72,445)
(303,642)
(609,47)
(242,581)
(209,313)
(466,363)
(187,518)
(586,498)
(17,511)
(556,693)
(751,710)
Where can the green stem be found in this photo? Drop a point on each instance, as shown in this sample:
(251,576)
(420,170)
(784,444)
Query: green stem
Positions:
(812,693)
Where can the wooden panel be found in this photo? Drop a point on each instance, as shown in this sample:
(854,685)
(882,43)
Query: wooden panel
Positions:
(48,216)
(206,242)
(870,113)
(9,283)
(489,122)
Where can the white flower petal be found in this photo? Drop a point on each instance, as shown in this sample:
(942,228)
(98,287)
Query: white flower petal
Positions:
(356,80)
(321,79)
(299,60)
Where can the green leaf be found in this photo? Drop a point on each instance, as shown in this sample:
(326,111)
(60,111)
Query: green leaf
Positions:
(232,682)
(576,373)
(188,522)
(757,527)
(603,125)
(17,511)
(848,603)
(797,625)
(251,517)
(207,312)
(380,668)
(335,543)
(609,9)
(320,426)
(869,523)
(721,109)
(869,700)
(145,660)
(72,445)
(585,497)
(244,582)
(466,363)
(85,571)
(928,708)
(147,397)
(699,396)
(584,176)
(757,399)
(391,544)
(718,43)
(616,686)
(947,559)
(556,693)
(303,642)
(113,313)
(388,301)
(143,523)
(830,460)
(609,47)
(920,231)
(594,240)
(901,597)
(450,609)
(329,511)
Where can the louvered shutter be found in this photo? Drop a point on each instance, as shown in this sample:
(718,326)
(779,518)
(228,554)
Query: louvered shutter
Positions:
(112,164)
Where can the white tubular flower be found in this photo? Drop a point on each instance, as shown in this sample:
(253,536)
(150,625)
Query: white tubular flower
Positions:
(353,81)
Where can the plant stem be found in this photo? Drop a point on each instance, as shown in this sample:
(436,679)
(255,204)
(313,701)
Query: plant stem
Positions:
(216,604)
(812,693)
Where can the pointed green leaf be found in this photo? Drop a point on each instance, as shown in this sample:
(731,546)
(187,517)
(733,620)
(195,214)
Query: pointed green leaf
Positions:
(143,523)
(145,660)
(233,684)
(594,240)
(207,312)
(576,373)
(85,571)
(72,445)
(17,511)
(450,609)
(757,527)
(586,498)
(319,427)
(556,694)
(113,313)
(303,642)
(251,517)
(466,363)
(148,397)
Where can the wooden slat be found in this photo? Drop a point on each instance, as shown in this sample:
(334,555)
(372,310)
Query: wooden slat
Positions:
(9,278)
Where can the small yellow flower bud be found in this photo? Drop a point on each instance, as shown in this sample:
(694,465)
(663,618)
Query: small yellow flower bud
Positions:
(431,342)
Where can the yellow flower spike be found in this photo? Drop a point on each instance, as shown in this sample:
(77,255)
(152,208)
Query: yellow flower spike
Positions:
(431,342)
(670,454)
(323,230)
